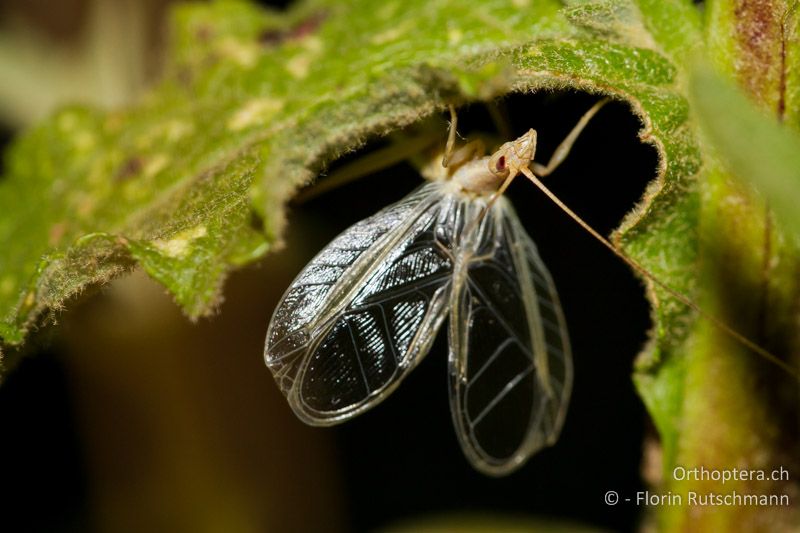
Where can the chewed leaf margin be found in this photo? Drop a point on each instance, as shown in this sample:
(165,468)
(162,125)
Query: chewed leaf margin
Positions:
(193,182)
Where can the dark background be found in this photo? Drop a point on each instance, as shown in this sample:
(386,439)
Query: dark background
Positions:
(402,459)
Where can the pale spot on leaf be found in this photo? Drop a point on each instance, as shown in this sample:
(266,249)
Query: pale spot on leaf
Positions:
(155,164)
(30,299)
(299,65)
(256,111)
(83,140)
(179,245)
(245,54)
(392,34)
(313,43)
(177,129)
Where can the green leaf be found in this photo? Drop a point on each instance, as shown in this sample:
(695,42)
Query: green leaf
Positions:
(674,25)
(255,105)
(752,145)
(715,403)
(671,26)
(257,102)
(613,19)
(755,43)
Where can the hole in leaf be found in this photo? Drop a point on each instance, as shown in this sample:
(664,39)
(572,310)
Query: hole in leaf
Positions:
(607,317)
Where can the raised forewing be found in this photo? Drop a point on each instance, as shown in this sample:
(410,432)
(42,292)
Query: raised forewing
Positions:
(510,362)
(363,312)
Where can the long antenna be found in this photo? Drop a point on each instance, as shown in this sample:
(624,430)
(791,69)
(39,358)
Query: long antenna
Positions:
(647,274)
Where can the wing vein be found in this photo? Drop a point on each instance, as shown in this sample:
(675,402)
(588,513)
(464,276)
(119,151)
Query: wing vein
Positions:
(490,360)
(503,393)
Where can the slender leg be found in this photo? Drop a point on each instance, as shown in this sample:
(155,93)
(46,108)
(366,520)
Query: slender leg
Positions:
(451,136)
(368,165)
(472,150)
(391,155)
(688,302)
(456,157)
(566,145)
(497,194)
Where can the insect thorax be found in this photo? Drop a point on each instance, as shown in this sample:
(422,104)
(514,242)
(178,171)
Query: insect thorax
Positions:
(475,177)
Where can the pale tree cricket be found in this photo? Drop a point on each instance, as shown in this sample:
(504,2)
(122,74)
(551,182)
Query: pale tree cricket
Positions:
(365,311)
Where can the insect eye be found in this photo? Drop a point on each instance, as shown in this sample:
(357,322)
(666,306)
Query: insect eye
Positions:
(501,163)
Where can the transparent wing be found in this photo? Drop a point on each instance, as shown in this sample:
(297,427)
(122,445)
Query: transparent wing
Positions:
(510,362)
(364,311)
